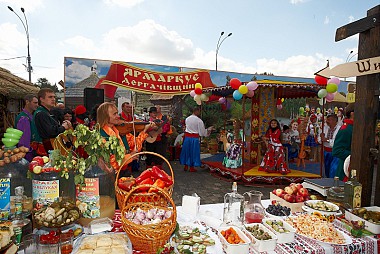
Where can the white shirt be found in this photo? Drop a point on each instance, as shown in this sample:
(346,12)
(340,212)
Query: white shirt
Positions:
(179,139)
(195,125)
(330,143)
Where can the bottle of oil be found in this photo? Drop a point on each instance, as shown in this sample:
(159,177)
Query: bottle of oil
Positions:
(353,191)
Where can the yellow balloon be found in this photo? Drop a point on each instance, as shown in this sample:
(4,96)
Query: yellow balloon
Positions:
(243,89)
(198,85)
(282,100)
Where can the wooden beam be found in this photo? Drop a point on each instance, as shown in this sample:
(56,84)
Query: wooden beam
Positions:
(366,108)
(358,26)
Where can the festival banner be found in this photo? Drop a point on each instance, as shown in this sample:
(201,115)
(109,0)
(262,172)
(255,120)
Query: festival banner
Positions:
(142,80)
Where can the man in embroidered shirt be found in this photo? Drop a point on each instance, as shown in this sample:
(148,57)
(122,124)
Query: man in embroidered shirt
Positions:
(191,154)
(342,144)
(23,123)
(126,112)
(327,137)
(47,126)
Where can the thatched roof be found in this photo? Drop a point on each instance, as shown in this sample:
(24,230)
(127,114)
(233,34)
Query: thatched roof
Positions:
(15,87)
(77,90)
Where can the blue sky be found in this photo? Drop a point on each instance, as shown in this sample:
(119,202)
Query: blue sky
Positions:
(284,37)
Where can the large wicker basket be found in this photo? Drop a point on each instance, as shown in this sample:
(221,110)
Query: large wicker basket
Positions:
(149,237)
(121,195)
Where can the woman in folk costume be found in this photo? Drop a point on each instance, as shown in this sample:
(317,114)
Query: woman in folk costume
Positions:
(274,158)
(108,117)
(312,131)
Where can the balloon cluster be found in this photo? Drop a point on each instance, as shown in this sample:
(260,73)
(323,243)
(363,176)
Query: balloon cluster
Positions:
(279,103)
(331,88)
(197,94)
(241,89)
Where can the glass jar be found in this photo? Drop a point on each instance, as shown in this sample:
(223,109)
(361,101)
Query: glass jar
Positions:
(49,187)
(97,198)
(13,175)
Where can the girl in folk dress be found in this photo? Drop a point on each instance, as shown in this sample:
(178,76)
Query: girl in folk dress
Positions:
(274,158)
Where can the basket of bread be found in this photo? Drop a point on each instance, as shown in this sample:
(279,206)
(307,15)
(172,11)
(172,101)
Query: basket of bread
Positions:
(152,176)
(149,225)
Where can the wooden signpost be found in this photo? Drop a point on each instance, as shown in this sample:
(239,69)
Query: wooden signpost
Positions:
(367,98)
(353,69)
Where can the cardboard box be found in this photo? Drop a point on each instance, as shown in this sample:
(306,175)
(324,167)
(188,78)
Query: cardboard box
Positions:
(294,207)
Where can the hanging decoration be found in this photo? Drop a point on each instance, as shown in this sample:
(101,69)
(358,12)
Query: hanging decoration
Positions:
(331,88)
(197,94)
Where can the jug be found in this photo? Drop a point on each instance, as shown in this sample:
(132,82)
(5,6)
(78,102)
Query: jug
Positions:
(254,211)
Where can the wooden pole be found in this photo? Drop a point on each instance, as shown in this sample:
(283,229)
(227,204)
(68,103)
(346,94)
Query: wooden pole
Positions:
(366,108)
(322,147)
(243,138)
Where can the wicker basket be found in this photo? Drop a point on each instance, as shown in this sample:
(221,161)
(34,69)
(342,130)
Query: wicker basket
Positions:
(152,198)
(148,238)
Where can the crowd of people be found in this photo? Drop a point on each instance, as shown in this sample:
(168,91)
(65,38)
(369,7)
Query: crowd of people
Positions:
(42,120)
(335,137)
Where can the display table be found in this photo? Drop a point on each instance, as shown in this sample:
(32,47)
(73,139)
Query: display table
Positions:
(367,244)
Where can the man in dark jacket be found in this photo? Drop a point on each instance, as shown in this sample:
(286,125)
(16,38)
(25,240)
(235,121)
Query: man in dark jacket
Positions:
(47,126)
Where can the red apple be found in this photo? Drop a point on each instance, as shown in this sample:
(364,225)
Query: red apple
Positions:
(292,184)
(304,192)
(37,169)
(32,164)
(274,191)
(299,199)
(290,198)
(282,195)
(299,186)
(279,192)
(294,188)
(39,160)
(288,190)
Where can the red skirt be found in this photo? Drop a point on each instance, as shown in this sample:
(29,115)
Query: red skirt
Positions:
(274,160)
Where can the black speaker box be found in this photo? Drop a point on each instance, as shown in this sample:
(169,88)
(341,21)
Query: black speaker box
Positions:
(93,96)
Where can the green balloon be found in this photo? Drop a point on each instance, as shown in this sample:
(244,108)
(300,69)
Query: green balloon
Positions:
(331,88)
(322,93)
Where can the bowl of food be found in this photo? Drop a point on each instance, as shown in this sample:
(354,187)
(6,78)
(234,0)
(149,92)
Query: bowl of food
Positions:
(261,237)
(322,208)
(277,211)
(284,232)
(233,240)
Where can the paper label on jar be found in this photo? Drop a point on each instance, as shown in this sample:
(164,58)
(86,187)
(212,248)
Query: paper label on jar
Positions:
(44,193)
(88,199)
(5,198)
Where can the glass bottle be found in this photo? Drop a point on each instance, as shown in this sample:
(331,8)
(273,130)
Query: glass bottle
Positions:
(233,212)
(353,191)
(22,225)
(97,198)
(335,194)
(11,176)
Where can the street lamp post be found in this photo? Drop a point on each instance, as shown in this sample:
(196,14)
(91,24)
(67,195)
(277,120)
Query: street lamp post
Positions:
(218,46)
(26,28)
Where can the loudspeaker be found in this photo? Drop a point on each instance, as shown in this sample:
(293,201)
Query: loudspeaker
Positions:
(93,96)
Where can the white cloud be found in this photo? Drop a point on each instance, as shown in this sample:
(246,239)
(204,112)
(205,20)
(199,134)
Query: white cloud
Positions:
(326,21)
(76,72)
(351,19)
(29,6)
(81,43)
(297,1)
(123,3)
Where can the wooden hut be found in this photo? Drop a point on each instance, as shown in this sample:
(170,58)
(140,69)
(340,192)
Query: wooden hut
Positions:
(12,91)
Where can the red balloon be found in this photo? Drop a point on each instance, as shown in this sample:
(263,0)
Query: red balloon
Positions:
(235,83)
(198,91)
(320,80)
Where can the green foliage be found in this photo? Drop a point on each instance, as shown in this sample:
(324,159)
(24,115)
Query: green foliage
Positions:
(95,146)
(44,83)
